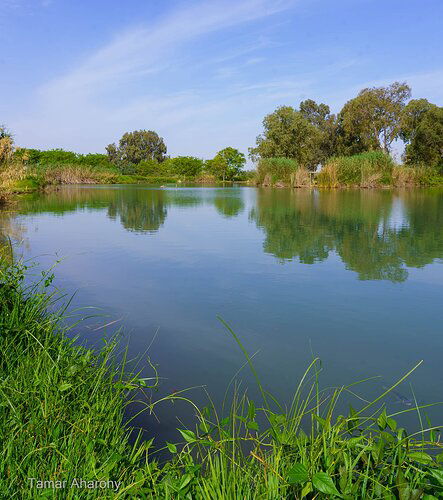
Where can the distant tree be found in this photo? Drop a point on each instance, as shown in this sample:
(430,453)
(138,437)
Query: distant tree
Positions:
(113,153)
(316,114)
(372,119)
(6,144)
(60,156)
(95,159)
(226,164)
(287,133)
(189,166)
(411,117)
(137,146)
(425,137)
(319,115)
(150,167)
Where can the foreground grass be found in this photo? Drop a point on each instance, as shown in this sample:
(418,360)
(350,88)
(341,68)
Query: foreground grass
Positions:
(62,418)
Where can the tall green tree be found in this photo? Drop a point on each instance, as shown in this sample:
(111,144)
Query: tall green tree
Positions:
(316,114)
(137,146)
(287,133)
(371,120)
(319,115)
(227,164)
(424,136)
(411,117)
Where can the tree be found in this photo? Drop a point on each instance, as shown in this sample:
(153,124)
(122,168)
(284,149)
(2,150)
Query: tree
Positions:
(411,117)
(226,164)
(372,119)
(186,165)
(319,115)
(316,114)
(426,138)
(287,133)
(137,146)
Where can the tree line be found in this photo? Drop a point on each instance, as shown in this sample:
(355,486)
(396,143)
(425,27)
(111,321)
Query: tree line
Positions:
(309,136)
(371,121)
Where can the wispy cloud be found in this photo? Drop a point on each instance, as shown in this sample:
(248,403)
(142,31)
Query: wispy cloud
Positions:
(89,103)
(136,51)
(200,91)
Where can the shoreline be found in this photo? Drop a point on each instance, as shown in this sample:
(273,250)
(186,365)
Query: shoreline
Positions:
(70,425)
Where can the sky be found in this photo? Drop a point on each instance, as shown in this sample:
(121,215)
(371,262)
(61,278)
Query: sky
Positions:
(203,74)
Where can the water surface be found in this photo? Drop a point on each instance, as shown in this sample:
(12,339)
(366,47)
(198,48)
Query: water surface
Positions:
(355,277)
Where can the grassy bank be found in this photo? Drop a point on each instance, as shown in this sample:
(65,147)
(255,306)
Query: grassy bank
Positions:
(63,418)
(366,170)
(16,178)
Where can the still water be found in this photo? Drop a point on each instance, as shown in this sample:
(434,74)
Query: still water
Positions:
(354,277)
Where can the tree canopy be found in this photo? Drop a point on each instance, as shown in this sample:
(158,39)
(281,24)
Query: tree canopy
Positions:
(137,146)
(226,164)
(289,134)
(423,131)
(371,120)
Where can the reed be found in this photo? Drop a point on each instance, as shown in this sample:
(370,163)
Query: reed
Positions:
(371,169)
(274,171)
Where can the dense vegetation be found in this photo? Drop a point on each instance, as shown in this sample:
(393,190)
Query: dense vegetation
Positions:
(139,157)
(354,146)
(63,409)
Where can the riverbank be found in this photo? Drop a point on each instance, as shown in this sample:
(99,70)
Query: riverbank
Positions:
(16,178)
(63,410)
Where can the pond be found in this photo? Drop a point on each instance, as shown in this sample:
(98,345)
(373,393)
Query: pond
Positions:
(352,276)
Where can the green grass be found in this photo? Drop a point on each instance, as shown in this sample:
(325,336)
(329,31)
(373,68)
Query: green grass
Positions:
(62,414)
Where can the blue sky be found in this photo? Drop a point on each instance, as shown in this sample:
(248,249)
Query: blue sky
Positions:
(203,74)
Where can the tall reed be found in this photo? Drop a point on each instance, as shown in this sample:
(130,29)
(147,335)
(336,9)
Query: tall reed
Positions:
(371,169)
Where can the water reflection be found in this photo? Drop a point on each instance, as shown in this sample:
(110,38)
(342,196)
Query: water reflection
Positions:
(141,211)
(228,206)
(137,209)
(12,234)
(377,234)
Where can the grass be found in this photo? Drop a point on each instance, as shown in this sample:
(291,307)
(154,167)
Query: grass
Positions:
(63,409)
